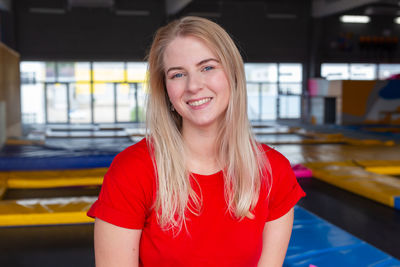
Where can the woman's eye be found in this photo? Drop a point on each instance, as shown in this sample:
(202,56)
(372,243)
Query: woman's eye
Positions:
(208,68)
(177,75)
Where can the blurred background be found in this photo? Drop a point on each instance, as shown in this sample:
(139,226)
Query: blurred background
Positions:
(322,88)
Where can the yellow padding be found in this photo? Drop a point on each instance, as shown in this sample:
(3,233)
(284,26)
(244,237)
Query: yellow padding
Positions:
(51,179)
(44,219)
(388,170)
(45,211)
(378,163)
(378,187)
(53,182)
(322,165)
(388,167)
(320,138)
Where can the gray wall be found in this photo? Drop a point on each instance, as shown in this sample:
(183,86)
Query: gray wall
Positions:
(85,33)
(7,30)
(98,34)
(260,37)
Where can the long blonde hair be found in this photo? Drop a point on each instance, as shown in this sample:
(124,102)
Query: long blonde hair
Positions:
(245,161)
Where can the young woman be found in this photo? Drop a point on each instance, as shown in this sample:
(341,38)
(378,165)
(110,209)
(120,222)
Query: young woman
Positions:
(198,190)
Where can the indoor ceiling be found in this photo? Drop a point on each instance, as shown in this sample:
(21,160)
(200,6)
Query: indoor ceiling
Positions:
(320,8)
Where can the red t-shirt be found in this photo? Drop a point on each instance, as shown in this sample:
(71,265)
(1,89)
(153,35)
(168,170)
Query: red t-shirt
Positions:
(213,238)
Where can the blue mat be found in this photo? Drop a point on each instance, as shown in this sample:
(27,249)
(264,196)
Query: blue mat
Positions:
(316,242)
(55,163)
(62,154)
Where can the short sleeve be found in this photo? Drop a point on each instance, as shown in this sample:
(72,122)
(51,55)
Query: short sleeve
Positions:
(285,190)
(126,194)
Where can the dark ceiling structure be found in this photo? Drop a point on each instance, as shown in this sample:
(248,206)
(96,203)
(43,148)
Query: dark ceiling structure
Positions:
(320,8)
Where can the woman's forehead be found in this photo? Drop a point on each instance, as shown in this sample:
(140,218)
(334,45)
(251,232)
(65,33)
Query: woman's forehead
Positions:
(187,50)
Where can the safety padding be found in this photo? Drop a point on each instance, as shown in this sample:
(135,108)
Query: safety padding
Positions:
(389,167)
(301,171)
(55,163)
(338,138)
(23,142)
(378,163)
(52,179)
(25,212)
(397,202)
(301,136)
(389,170)
(356,179)
(86,134)
(315,242)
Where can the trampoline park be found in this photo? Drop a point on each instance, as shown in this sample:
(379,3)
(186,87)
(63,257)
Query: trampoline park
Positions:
(47,188)
(72,96)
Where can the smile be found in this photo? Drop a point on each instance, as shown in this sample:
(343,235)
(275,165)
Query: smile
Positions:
(199,102)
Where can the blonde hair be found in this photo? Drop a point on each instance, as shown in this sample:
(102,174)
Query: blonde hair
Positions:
(245,161)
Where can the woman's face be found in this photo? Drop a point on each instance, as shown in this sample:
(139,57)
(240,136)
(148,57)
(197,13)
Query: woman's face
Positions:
(196,83)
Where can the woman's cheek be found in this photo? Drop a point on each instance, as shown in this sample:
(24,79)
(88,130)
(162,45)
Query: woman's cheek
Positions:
(173,91)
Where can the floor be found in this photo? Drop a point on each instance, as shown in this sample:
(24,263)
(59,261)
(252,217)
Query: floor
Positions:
(72,245)
(368,220)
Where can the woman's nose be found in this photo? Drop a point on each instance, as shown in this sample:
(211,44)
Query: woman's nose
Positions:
(194,82)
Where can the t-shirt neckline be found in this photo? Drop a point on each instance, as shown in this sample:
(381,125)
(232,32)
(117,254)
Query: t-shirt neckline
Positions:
(207,176)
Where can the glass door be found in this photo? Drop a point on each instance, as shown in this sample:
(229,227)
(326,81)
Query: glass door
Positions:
(104,102)
(56,102)
(80,103)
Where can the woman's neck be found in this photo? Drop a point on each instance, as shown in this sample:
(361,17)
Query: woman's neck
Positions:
(201,150)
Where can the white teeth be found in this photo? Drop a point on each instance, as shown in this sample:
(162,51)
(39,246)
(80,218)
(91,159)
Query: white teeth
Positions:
(199,102)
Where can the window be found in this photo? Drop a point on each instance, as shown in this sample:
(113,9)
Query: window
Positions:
(388,70)
(260,72)
(73,71)
(83,92)
(362,71)
(108,72)
(137,72)
(267,83)
(32,103)
(356,71)
(333,71)
(290,73)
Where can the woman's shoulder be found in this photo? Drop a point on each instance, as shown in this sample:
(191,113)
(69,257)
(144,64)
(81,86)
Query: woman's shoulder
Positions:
(133,166)
(274,157)
(272,153)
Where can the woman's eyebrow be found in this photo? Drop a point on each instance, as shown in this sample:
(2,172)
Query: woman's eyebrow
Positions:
(198,64)
(207,60)
(173,68)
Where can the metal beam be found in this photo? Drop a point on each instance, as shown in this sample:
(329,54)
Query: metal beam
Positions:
(174,6)
(322,8)
(91,3)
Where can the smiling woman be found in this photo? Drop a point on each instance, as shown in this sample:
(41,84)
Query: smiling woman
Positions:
(198,190)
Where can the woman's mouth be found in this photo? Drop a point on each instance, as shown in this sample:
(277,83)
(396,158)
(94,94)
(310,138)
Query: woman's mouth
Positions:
(199,102)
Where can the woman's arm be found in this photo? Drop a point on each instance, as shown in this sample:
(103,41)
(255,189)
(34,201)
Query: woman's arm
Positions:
(276,238)
(115,246)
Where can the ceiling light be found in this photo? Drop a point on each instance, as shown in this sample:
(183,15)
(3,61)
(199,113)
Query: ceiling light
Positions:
(354,19)
(397,20)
